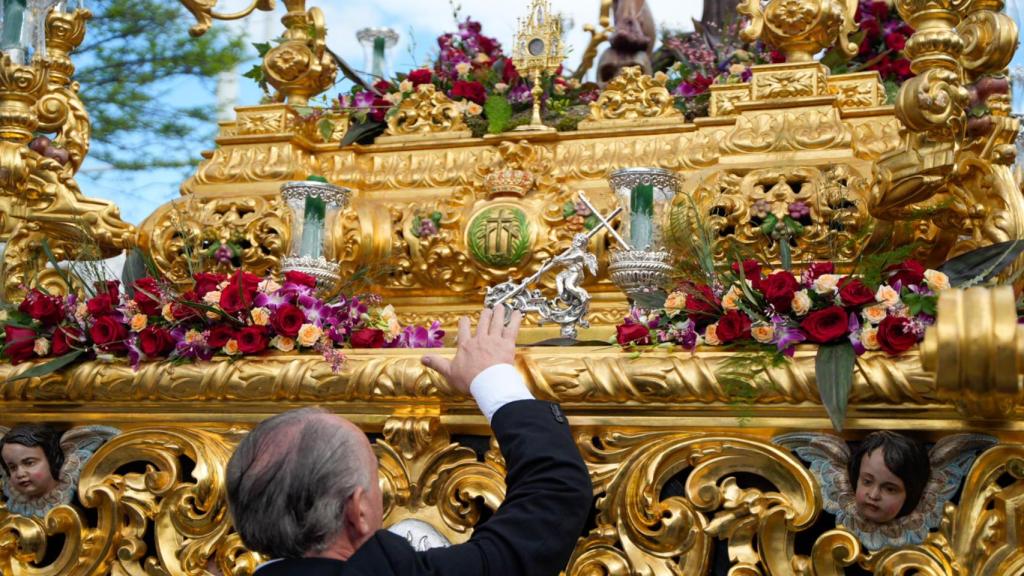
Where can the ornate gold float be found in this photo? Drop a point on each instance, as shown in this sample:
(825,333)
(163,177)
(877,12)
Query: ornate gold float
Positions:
(152,500)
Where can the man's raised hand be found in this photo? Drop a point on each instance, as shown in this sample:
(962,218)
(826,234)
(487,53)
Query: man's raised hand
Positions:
(494,343)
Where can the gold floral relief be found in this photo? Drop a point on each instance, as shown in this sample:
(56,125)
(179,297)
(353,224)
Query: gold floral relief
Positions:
(633,98)
(426,114)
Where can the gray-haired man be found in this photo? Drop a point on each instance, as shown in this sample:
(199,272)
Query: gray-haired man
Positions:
(303,486)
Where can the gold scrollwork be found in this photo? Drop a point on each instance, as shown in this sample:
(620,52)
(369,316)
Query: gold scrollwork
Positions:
(426,114)
(633,98)
(801,28)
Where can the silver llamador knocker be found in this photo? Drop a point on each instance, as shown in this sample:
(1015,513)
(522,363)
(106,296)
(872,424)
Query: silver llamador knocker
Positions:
(569,308)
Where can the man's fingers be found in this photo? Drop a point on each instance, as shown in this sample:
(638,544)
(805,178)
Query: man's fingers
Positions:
(484,326)
(465,333)
(497,320)
(511,331)
(441,365)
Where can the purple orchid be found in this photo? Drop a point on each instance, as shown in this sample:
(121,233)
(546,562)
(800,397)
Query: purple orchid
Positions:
(224,254)
(854,328)
(317,313)
(274,300)
(786,336)
(190,344)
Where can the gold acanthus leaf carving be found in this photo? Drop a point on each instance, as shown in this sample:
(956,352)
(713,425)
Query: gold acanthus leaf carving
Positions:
(427,113)
(634,98)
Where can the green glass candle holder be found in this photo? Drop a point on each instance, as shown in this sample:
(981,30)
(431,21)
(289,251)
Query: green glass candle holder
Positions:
(314,205)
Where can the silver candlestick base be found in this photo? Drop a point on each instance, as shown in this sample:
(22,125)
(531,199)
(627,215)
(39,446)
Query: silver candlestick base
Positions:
(327,273)
(641,274)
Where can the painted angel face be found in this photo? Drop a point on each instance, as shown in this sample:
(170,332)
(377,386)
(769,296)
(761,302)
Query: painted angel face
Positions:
(30,470)
(880,493)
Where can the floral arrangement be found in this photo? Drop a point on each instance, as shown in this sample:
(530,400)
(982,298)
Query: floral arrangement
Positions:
(694,61)
(881,37)
(846,315)
(235,315)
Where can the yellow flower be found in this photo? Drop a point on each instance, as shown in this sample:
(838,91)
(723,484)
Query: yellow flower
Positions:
(309,334)
(711,335)
(167,312)
(731,300)
(763,333)
(869,338)
(826,283)
(676,301)
(886,295)
(474,109)
(41,347)
(193,336)
(500,88)
(801,303)
(139,322)
(283,343)
(3,315)
(875,314)
(463,68)
(482,58)
(737,69)
(81,311)
(936,280)
(231,347)
(212,297)
(405,86)
(260,316)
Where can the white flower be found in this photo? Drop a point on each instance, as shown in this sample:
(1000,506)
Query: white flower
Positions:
(826,283)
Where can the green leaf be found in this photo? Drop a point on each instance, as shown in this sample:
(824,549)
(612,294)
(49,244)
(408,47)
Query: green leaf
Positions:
(568,210)
(56,265)
(981,265)
(133,270)
(833,367)
(770,222)
(261,48)
(49,367)
(255,73)
(326,128)
(499,112)
(591,222)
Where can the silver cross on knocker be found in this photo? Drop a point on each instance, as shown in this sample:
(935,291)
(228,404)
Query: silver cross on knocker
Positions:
(570,306)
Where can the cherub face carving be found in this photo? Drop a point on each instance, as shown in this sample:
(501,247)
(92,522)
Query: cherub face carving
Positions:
(880,493)
(30,470)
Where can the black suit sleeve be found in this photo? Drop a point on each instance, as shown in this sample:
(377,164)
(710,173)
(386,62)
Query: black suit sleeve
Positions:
(549,496)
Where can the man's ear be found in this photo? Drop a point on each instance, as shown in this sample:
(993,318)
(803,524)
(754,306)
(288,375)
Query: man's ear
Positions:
(357,516)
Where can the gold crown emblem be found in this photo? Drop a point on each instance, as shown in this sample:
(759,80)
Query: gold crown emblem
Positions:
(509,182)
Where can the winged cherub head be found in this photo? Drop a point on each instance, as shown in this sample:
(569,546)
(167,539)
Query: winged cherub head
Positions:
(32,458)
(890,472)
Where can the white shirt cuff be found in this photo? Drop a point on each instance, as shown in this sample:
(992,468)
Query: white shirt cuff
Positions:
(496,386)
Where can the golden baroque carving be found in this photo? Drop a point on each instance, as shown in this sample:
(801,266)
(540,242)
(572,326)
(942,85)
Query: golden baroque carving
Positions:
(633,98)
(426,114)
(183,231)
(813,128)
(592,375)
(801,28)
(859,90)
(786,81)
(831,205)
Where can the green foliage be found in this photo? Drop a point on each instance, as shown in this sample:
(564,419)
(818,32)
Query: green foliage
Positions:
(135,55)
(746,374)
(871,267)
(499,112)
(833,367)
(981,265)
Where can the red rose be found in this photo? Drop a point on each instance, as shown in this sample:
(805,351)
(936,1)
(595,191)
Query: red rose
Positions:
(778,289)
(895,335)
(43,307)
(64,339)
(181,311)
(112,287)
(630,333)
(147,296)
(155,341)
(382,86)
(287,320)
(751,271)
(509,74)
(206,282)
(367,338)
(826,325)
(879,9)
(300,278)
(252,340)
(421,76)
(895,41)
(19,343)
(472,91)
(701,303)
(100,305)
(733,326)
(907,273)
(379,109)
(109,334)
(901,68)
(233,300)
(219,336)
(776,57)
(818,269)
(854,293)
(249,283)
